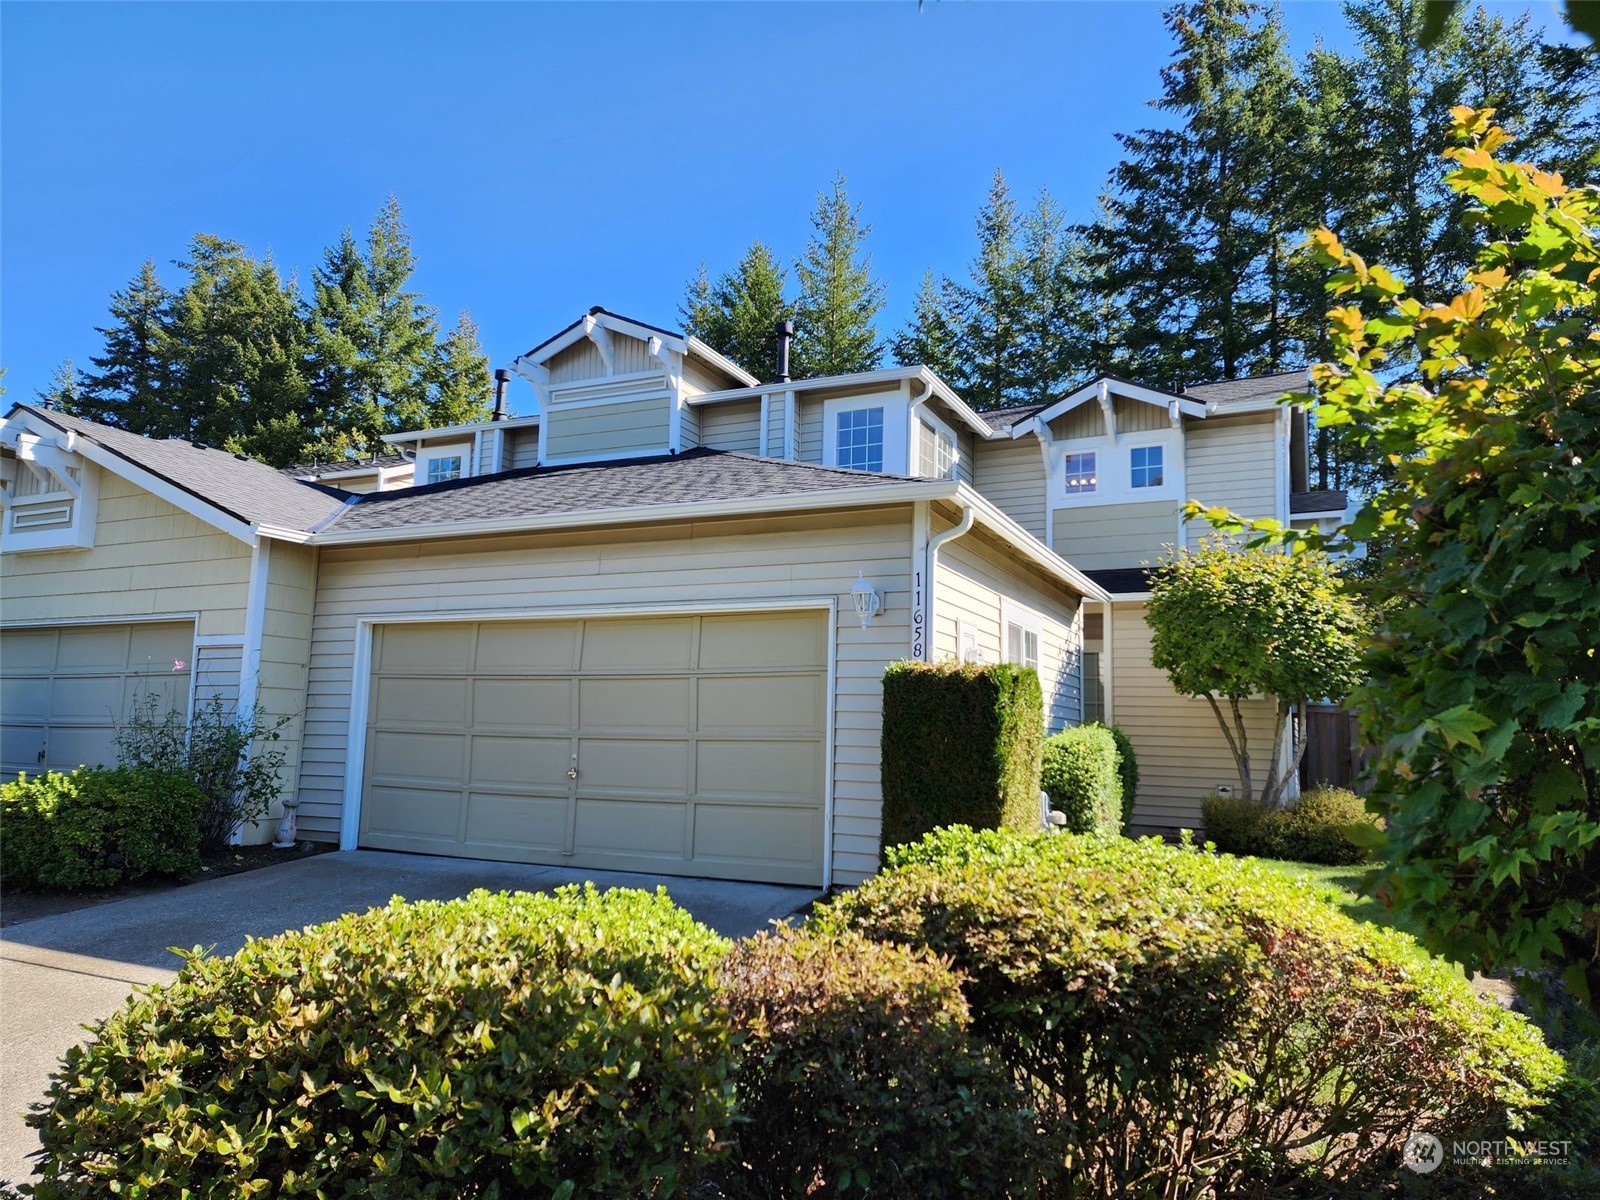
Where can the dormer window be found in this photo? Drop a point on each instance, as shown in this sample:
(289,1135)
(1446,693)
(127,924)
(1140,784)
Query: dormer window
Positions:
(859,444)
(936,451)
(440,464)
(1146,467)
(1082,479)
(444,467)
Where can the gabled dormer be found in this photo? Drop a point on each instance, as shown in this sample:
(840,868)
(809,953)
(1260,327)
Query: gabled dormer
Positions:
(48,491)
(610,387)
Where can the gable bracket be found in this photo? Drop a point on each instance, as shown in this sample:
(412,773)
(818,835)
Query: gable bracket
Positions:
(601,337)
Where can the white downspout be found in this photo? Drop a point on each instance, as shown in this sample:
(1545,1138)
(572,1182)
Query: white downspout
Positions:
(959,529)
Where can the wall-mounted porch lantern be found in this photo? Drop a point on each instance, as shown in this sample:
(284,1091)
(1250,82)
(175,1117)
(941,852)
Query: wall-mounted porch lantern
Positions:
(866,599)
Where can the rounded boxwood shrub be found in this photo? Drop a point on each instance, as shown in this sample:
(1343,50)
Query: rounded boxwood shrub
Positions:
(501,1045)
(1238,826)
(1322,826)
(1127,771)
(94,827)
(1080,777)
(856,1076)
(1198,1018)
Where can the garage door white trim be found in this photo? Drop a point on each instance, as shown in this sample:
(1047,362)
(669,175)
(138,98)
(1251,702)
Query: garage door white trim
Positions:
(355,761)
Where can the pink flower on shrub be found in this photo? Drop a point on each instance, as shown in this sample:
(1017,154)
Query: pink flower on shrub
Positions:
(178,664)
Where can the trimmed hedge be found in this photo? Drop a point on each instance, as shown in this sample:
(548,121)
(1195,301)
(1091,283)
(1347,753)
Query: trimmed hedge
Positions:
(1199,1018)
(501,1045)
(856,1076)
(94,827)
(961,745)
(1323,826)
(1128,771)
(1081,778)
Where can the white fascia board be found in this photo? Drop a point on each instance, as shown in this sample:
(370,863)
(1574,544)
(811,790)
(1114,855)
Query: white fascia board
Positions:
(280,533)
(172,494)
(973,419)
(993,518)
(580,330)
(413,435)
(700,350)
(861,379)
(794,502)
(1132,391)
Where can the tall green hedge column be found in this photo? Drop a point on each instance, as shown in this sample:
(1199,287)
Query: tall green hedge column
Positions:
(961,746)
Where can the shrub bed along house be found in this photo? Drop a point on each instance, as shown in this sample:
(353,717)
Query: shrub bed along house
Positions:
(856,1073)
(1323,826)
(961,745)
(1200,1026)
(1127,772)
(94,827)
(501,1045)
(1080,775)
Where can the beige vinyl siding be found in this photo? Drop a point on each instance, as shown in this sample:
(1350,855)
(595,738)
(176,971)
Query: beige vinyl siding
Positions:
(776,415)
(522,448)
(630,426)
(1232,462)
(973,580)
(285,652)
(808,424)
(698,379)
(148,557)
(488,463)
(688,426)
(735,426)
(1011,474)
(583,360)
(700,564)
(1181,750)
(1135,416)
(217,671)
(967,448)
(1096,537)
(1088,420)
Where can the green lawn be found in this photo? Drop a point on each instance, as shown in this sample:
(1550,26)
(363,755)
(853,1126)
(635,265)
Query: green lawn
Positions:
(1342,886)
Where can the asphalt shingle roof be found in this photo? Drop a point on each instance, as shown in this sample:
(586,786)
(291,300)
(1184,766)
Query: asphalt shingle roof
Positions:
(1257,392)
(1003,419)
(346,464)
(241,487)
(696,476)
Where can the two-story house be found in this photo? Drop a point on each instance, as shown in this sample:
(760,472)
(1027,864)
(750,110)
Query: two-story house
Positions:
(642,627)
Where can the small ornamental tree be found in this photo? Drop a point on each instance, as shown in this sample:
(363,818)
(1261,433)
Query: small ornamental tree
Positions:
(1484,692)
(1227,624)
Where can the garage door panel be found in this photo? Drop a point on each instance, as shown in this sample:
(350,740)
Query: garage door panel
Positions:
(758,768)
(661,643)
(735,833)
(87,697)
(634,704)
(642,827)
(768,703)
(434,647)
(521,760)
(534,647)
(93,646)
(157,647)
(22,697)
(522,703)
(633,765)
(417,701)
(762,640)
(528,821)
(414,811)
(163,694)
(418,756)
(20,745)
(88,746)
(28,649)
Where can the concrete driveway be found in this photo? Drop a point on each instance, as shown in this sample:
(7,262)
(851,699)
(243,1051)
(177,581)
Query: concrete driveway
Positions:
(58,973)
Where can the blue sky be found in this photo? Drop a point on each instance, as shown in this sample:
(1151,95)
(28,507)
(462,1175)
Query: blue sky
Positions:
(548,156)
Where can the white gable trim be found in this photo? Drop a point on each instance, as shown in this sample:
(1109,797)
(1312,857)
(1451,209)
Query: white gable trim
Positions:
(1112,387)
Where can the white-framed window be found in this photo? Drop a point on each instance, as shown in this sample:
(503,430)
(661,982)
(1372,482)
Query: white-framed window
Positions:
(446,466)
(1145,465)
(1094,688)
(1082,477)
(1024,634)
(936,451)
(858,438)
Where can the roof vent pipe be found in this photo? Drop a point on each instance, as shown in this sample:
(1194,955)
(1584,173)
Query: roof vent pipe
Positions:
(501,378)
(785,332)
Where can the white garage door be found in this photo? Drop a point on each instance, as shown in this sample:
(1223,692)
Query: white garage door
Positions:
(64,691)
(688,745)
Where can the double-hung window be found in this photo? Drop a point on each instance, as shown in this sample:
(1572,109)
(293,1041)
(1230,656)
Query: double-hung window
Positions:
(936,452)
(1024,630)
(1146,467)
(859,441)
(444,467)
(1082,478)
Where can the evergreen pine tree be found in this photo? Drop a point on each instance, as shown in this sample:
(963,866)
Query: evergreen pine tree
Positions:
(462,389)
(989,309)
(735,315)
(839,300)
(929,338)
(131,385)
(64,392)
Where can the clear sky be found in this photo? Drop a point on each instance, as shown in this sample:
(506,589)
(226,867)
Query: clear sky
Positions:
(548,156)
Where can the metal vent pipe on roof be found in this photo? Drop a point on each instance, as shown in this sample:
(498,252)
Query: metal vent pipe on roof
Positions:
(785,332)
(501,378)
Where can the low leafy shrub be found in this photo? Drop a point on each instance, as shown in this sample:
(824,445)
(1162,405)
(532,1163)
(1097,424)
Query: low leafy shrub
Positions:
(1201,1025)
(500,1045)
(857,1076)
(94,827)
(1080,776)
(1128,771)
(961,745)
(232,757)
(1325,825)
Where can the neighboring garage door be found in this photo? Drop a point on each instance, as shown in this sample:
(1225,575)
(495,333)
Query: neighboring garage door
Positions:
(697,742)
(64,691)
